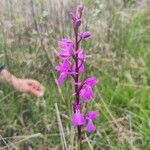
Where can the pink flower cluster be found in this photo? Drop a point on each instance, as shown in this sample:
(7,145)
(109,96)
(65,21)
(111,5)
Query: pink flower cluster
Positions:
(72,64)
(79,119)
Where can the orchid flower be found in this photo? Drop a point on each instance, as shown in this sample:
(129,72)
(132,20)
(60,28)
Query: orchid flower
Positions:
(73,64)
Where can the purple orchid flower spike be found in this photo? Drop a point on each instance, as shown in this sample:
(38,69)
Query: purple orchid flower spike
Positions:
(73,65)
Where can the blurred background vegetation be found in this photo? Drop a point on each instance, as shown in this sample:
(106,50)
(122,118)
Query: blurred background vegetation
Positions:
(118,54)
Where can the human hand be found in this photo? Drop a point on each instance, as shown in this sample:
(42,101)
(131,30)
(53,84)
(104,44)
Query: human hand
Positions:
(29,86)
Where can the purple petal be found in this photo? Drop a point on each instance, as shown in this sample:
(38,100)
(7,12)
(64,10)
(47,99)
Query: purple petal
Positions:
(90,127)
(86,92)
(78,119)
(61,78)
(67,47)
(65,43)
(81,54)
(92,115)
(64,66)
(91,81)
(81,66)
(64,53)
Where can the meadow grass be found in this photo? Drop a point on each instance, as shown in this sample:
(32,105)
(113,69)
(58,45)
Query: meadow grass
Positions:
(119,59)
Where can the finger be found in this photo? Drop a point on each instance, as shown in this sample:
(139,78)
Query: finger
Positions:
(33,82)
(36,88)
(35,92)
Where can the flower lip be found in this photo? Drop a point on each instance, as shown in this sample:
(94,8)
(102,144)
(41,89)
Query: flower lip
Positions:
(86,93)
(78,118)
(64,66)
(90,127)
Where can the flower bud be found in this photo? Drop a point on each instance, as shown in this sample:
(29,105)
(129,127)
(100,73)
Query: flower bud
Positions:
(72,16)
(78,23)
(80,10)
(85,35)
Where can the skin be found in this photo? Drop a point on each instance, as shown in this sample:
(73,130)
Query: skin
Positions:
(22,85)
